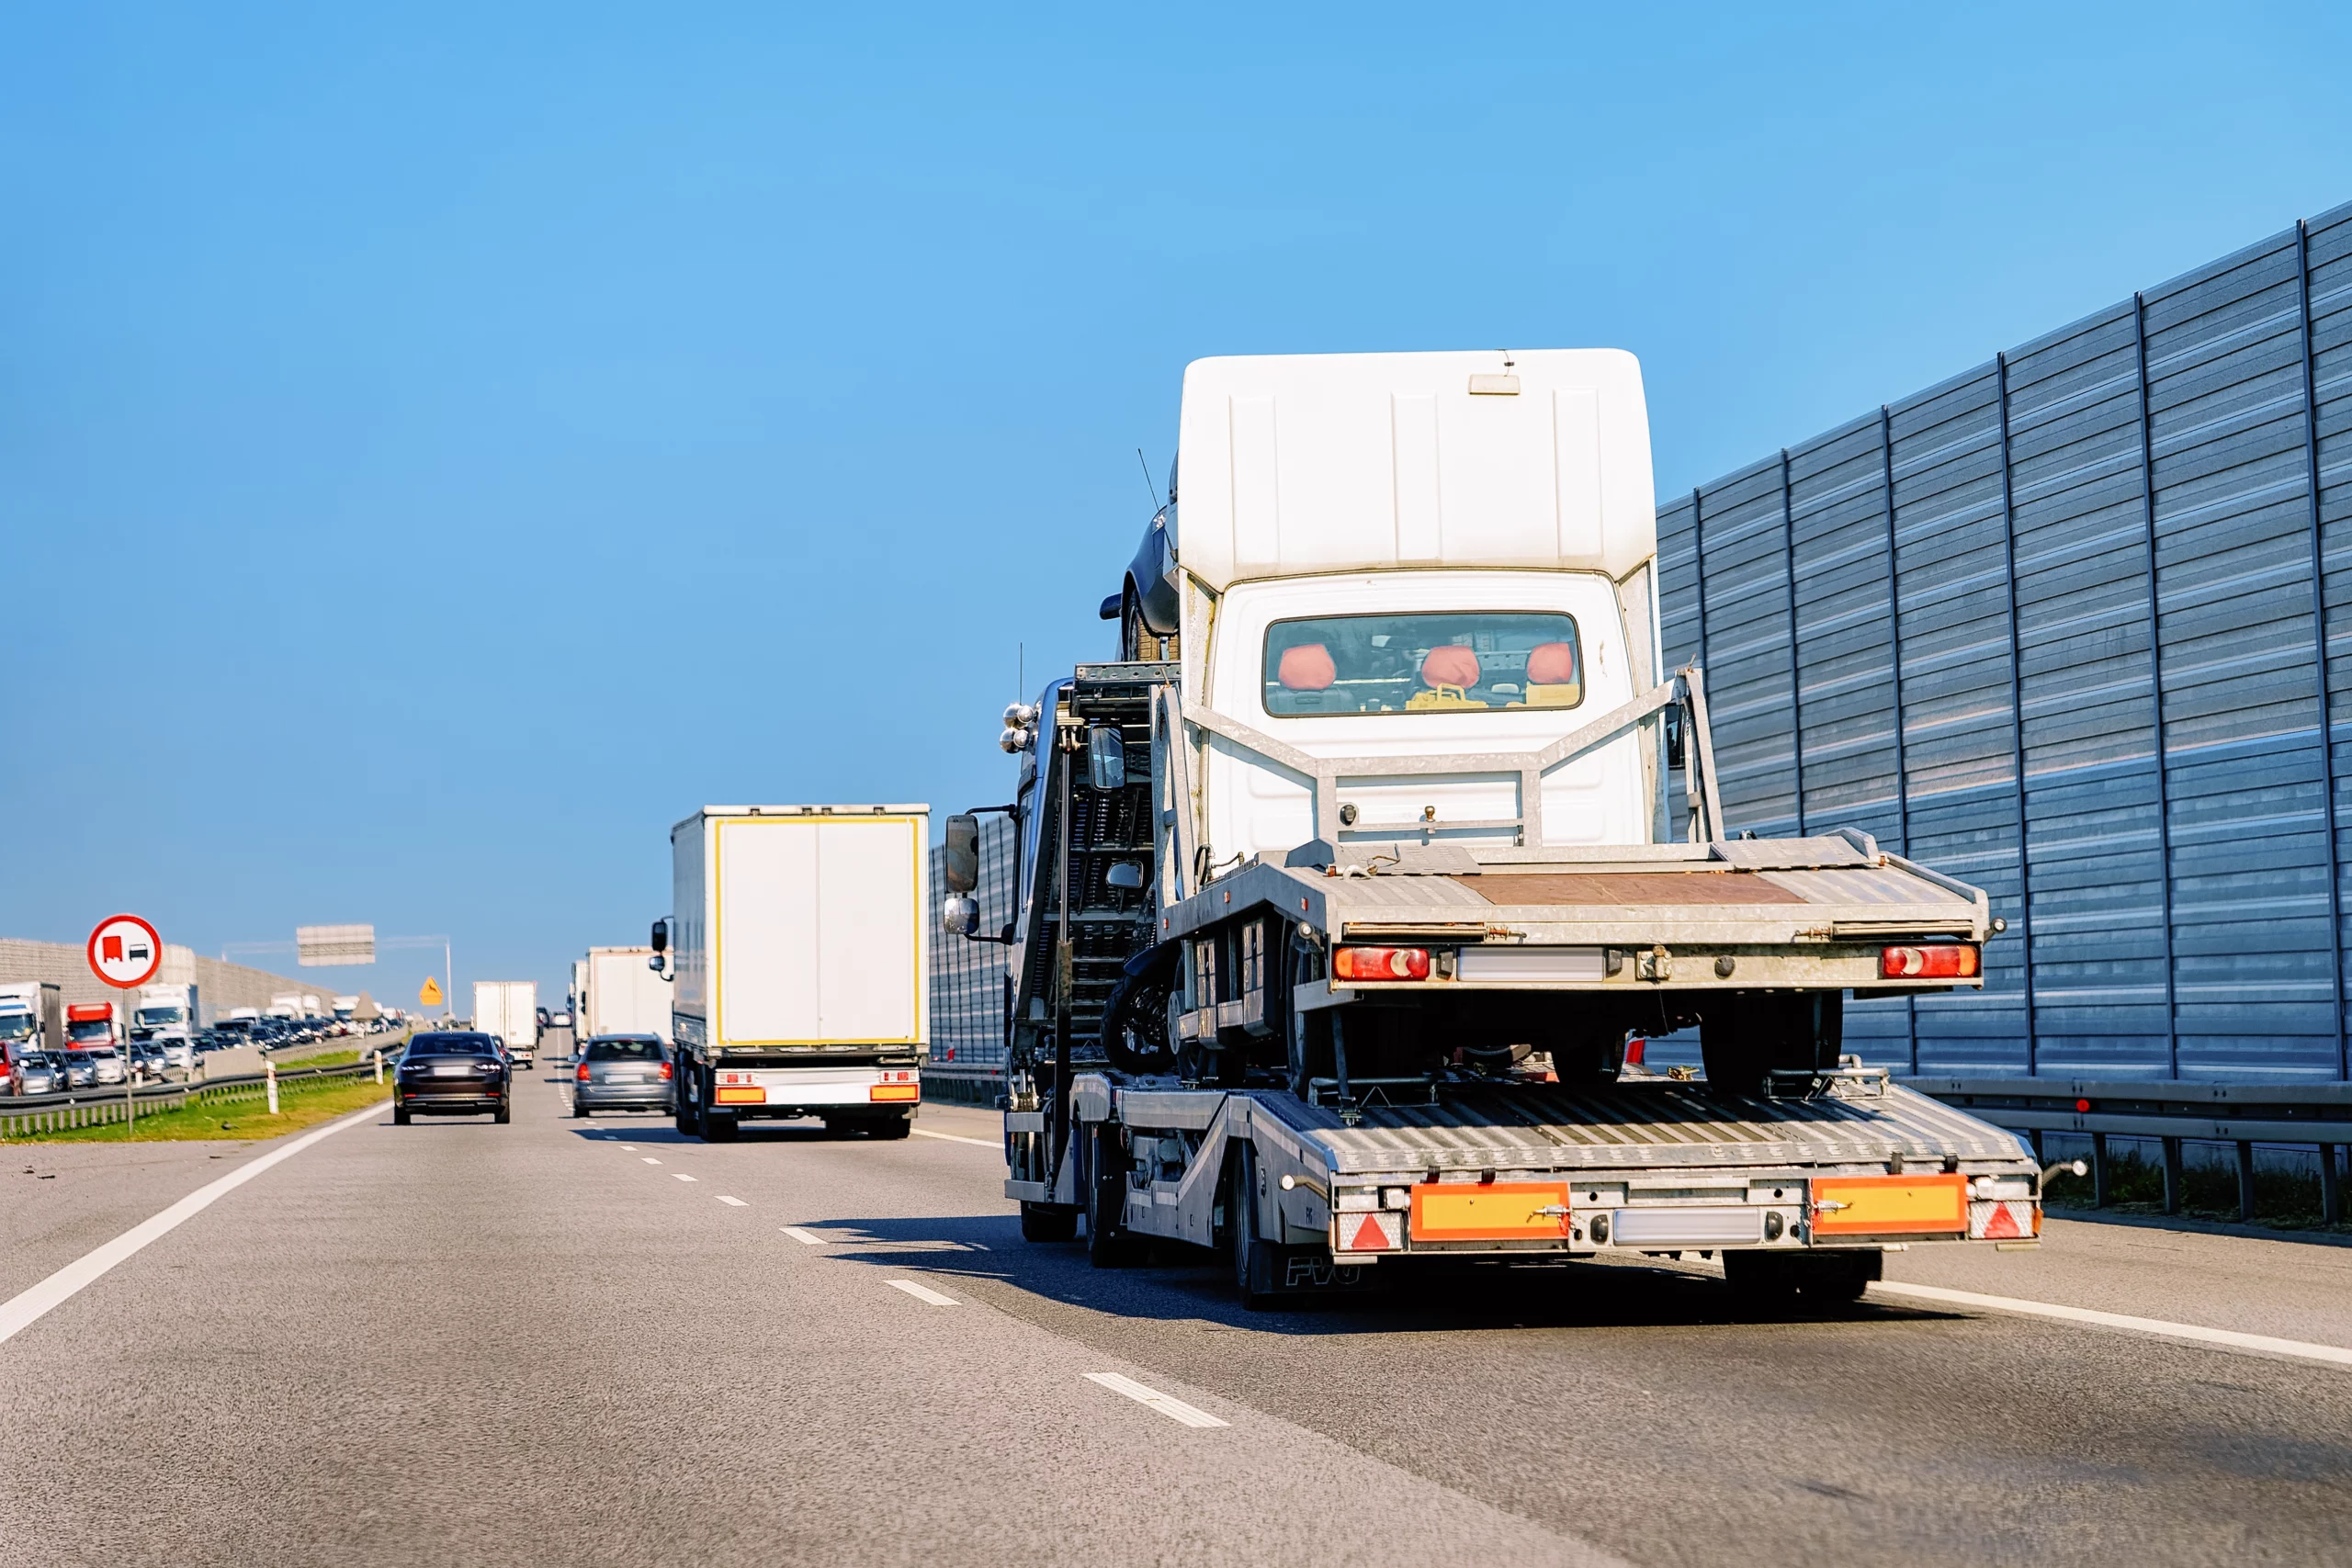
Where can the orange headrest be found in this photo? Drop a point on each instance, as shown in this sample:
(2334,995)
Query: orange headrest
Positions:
(1308,668)
(1551,664)
(1450,666)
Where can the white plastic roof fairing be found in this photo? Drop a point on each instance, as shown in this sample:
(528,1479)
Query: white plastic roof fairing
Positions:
(1295,464)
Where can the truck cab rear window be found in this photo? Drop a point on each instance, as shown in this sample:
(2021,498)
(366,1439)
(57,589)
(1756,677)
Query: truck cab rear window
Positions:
(1429,662)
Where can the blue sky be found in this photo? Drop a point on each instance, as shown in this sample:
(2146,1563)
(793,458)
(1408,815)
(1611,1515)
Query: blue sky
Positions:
(442,445)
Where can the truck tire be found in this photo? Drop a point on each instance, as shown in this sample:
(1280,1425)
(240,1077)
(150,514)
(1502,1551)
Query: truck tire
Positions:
(1252,1262)
(1048,1222)
(689,1113)
(1108,1243)
(718,1126)
(893,1127)
(1837,1278)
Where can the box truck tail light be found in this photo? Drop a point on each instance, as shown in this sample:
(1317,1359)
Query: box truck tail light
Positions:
(1380,962)
(1943,961)
(1382,1230)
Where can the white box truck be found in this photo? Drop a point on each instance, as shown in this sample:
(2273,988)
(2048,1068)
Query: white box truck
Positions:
(620,993)
(800,958)
(167,1016)
(510,1010)
(33,1020)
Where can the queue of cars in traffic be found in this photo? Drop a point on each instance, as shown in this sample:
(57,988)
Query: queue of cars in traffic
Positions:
(27,1068)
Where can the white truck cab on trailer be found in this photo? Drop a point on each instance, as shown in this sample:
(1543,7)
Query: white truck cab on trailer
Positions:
(1343,891)
(799,955)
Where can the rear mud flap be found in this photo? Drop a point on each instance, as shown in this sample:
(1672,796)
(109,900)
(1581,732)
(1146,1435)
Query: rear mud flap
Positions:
(1304,1272)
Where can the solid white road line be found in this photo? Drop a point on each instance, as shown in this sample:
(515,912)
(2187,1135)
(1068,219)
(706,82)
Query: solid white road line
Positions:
(29,1306)
(680,1175)
(922,1293)
(996,1144)
(806,1239)
(2228,1338)
(1167,1404)
(734,1203)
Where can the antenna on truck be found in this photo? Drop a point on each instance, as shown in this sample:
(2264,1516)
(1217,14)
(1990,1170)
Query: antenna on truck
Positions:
(1148,488)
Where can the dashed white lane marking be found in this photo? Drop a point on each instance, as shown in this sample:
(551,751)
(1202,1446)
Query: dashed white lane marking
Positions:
(997,1144)
(628,1148)
(1167,1405)
(733,1202)
(680,1175)
(29,1305)
(649,1159)
(922,1293)
(806,1239)
(2228,1338)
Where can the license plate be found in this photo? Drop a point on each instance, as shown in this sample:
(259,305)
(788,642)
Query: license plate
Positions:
(1493,1210)
(1889,1205)
(452,1072)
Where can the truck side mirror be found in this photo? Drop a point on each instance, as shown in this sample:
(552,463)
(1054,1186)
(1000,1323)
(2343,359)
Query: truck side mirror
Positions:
(1106,758)
(661,936)
(960,915)
(1125,873)
(959,863)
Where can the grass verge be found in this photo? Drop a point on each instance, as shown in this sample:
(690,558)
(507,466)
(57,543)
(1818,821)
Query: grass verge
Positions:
(300,1104)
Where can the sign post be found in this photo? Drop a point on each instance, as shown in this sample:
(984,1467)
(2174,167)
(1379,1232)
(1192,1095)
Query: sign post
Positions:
(125,952)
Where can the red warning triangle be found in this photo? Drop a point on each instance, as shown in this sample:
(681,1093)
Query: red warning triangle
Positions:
(1369,1237)
(2003,1225)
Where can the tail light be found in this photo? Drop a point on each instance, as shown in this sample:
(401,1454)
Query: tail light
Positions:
(1943,961)
(1380,963)
(666,1072)
(583,1073)
(1634,1051)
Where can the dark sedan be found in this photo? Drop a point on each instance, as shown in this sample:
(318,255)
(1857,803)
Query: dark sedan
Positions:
(452,1074)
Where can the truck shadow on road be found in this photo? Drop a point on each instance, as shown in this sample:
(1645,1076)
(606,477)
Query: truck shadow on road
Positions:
(987,1256)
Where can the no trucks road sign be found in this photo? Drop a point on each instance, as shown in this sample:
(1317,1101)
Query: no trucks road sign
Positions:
(125,951)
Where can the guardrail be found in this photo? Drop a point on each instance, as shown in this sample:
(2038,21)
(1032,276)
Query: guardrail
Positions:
(2172,1113)
(964,1086)
(94,1108)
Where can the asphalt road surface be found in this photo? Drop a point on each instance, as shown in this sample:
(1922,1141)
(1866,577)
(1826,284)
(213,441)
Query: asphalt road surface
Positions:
(569,1342)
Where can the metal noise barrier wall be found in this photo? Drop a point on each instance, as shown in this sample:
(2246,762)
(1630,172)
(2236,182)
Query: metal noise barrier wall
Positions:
(2121,556)
(968,978)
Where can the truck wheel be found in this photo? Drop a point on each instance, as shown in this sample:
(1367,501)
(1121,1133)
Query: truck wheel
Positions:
(1762,1282)
(1838,1277)
(1252,1266)
(1049,1222)
(893,1127)
(1108,1243)
(718,1127)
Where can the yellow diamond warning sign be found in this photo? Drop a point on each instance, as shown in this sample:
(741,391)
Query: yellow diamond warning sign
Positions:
(430,997)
